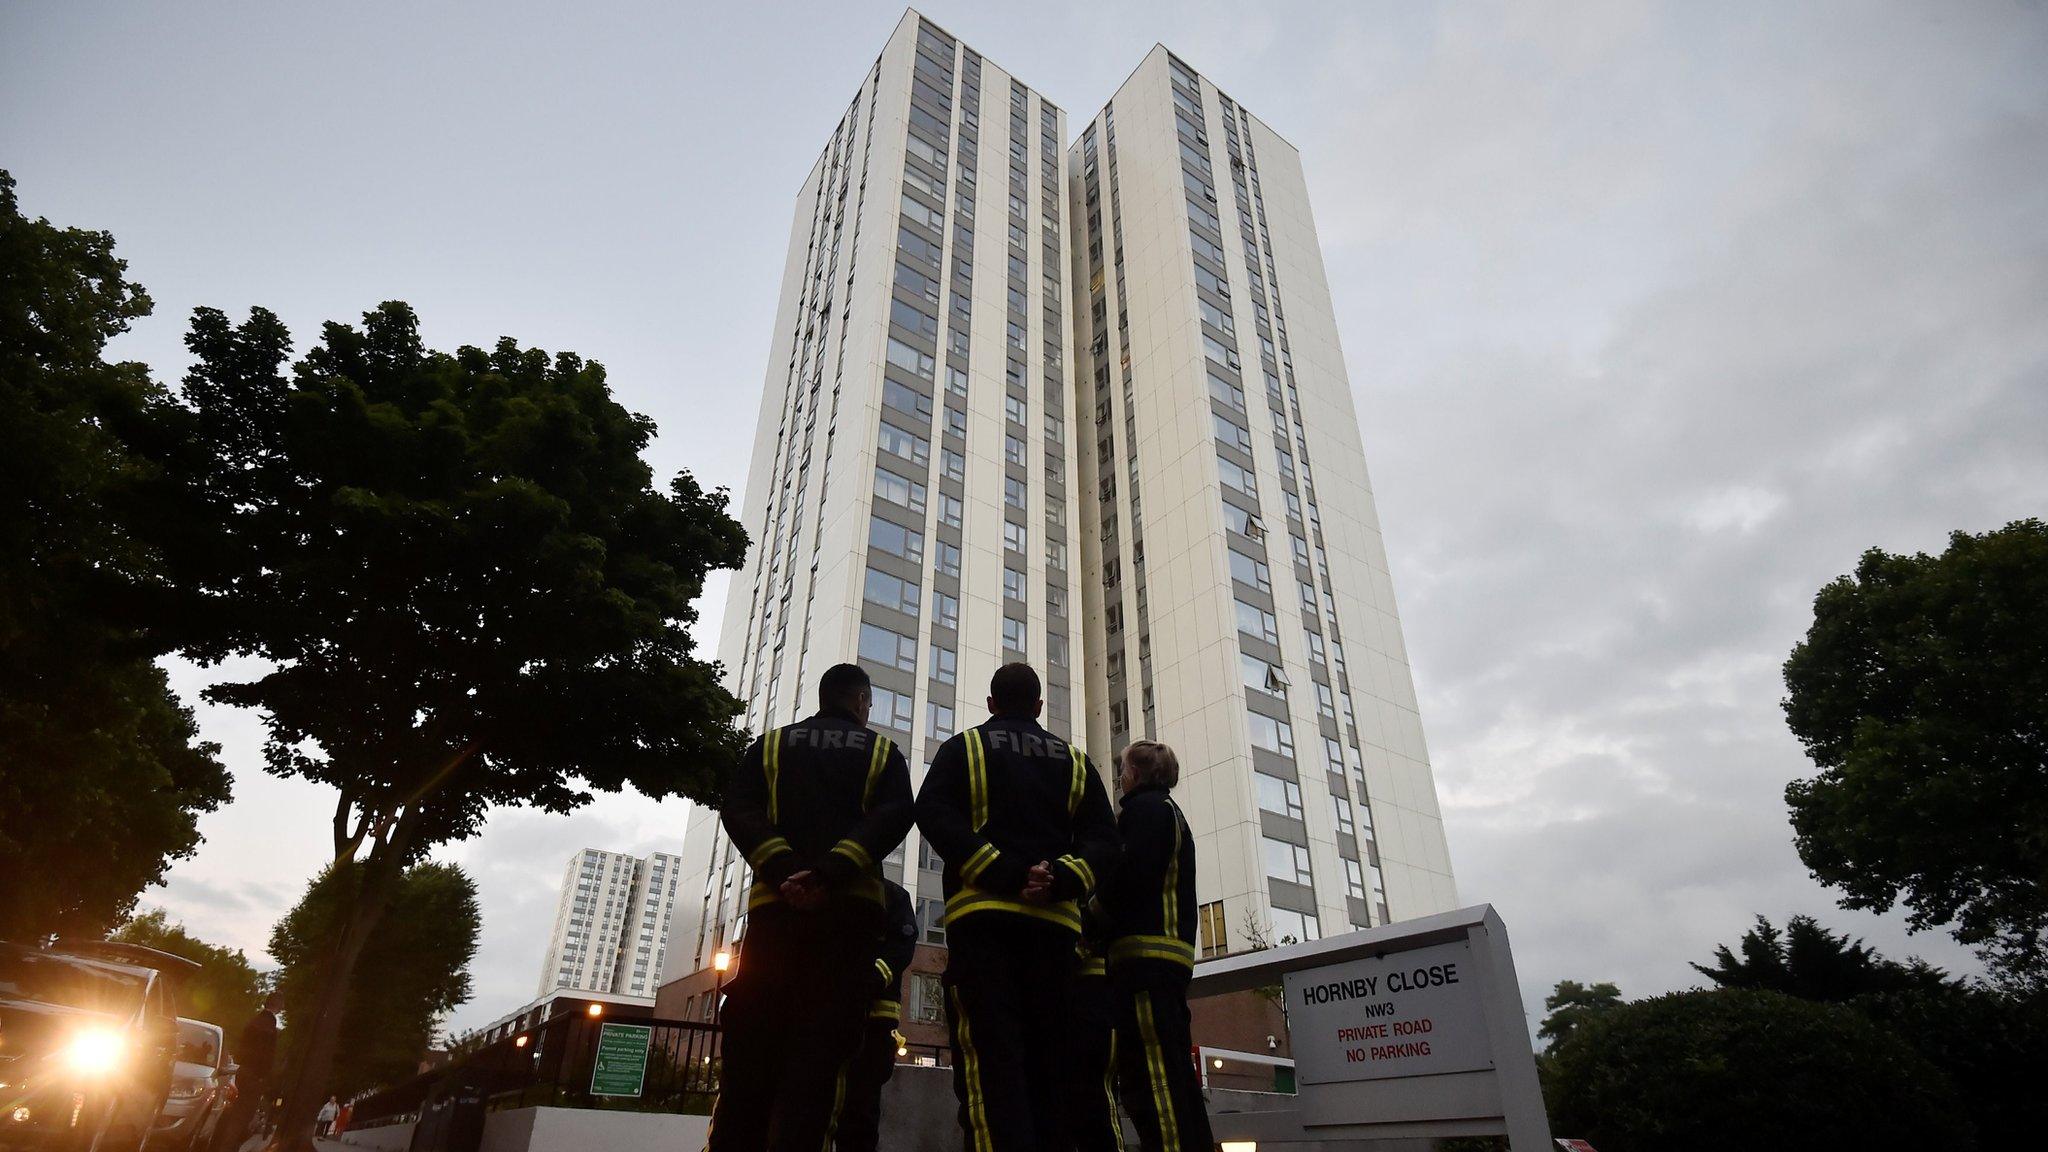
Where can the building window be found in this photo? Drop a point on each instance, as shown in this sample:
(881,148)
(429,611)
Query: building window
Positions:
(931,916)
(939,721)
(897,442)
(897,490)
(948,559)
(1354,880)
(1285,861)
(891,709)
(1275,736)
(1013,636)
(952,465)
(950,510)
(1015,493)
(1291,927)
(895,539)
(1280,797)
(1257,622)
(1013,450)
(1013,585)
(888,649)
(945,610)
(891,592)
(1213,935)
(927,996)
(945,666)
(1016,537)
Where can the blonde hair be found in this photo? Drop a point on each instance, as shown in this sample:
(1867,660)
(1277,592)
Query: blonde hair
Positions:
(1150,762)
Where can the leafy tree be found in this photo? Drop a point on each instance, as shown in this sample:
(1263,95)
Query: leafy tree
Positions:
(102,779)
(413,970)
(1921,694)
(1720,1069)
(466,586)
(227,988)
(1570,1004)
(1992,1043)
(1812,963)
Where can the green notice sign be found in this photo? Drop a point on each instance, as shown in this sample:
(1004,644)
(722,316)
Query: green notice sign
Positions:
(621,1065)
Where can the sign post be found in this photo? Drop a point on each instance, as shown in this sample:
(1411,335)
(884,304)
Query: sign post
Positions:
(620,1068)
(1409,1030)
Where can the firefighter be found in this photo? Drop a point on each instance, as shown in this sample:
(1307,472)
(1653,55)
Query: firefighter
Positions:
(1024,826)
(860,1122)
(1151,904)
(813,807)
(1091,1054)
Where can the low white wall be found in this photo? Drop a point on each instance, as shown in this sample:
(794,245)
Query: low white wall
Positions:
(591,1130)
(387,1138)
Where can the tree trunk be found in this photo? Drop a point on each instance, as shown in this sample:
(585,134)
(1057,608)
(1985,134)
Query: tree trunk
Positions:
(305,1078)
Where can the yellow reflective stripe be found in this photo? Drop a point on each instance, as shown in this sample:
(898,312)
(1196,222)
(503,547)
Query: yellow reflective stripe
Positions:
(978,863)
(970,1065)
(771,767)
(1094,966)
(1171,948)
(877,759)
(882,966)
(885,1010)
(1080,785)
(1170,899)
(761,893)
(852,850)
(1109,1092)
(838,1103)
(768,850)
(977,779)
(969,901)
(1081,869)
(1155,1069)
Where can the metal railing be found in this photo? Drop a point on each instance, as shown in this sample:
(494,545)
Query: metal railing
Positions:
(551,1064)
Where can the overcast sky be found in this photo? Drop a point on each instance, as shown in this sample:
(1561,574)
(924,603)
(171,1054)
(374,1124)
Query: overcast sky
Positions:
(1658,315)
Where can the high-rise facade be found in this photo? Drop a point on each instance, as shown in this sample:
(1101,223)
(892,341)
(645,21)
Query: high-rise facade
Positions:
(910,499)
(1082,406)
(612,923)
(1236,593)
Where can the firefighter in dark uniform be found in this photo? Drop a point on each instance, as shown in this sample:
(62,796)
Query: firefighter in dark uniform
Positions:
(1151,903)
(860,1122)
(1091,1054)
(1024,826)
(813,806)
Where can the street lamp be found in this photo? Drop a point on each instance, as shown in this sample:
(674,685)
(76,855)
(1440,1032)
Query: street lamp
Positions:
(595,1010)
(719,964)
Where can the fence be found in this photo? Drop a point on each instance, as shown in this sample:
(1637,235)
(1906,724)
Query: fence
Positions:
(551,1064)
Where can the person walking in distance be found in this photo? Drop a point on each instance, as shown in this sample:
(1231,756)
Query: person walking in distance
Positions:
(323,1124)
(255,1052)
(1024,826)
(1150,899)
(813,806)
(860,1123)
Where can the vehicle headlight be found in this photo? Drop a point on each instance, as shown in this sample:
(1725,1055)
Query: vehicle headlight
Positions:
(186,1089)
(94,1051)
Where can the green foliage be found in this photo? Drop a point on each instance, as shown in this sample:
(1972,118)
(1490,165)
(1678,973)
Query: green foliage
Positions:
(469,590)
(102,778)
(413,970)
(1570,1004)
(1921,694)
(227,989)
(1812,963)
(1706,1071)
(1993,1044)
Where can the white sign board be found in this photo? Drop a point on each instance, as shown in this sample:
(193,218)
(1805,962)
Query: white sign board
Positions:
(1414,1013)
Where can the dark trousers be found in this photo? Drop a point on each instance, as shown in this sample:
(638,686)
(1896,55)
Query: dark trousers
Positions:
(1155,1066)
(233,1128)
(791,1021)
(1007,980)
(1091,1073)
(860,1121)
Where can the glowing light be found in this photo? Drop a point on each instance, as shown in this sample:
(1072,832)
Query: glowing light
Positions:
(1240,1146)
(519,1041)
(94,1051)
(1216,1063)
(595,1010)
(722,961)
(21,1115)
